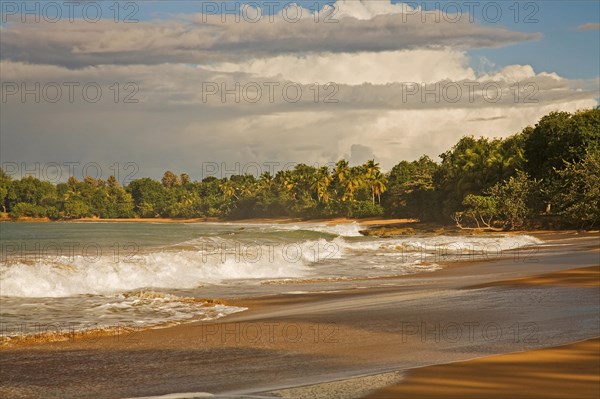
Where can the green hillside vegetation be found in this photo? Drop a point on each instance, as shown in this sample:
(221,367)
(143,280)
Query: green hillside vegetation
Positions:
(544,176)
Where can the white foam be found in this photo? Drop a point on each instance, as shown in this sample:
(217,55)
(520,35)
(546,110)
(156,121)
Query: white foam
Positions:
(69,276)
(188,395)
(482,244)
(226,260)
(343,229)
(433,244)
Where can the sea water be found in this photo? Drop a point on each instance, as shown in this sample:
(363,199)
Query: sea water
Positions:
(83,276)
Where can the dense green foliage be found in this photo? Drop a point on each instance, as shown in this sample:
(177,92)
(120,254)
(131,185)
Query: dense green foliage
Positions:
(545,175)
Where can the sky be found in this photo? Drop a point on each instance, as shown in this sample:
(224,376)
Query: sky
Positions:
(221,88)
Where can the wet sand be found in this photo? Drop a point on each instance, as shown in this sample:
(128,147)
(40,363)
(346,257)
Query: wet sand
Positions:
(570,371)
(328,339)
(566,371)
(581,277)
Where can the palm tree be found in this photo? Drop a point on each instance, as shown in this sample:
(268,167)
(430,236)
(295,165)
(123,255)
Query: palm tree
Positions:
(352,182)
(321,184)
(185,179)
(375,179)
(248,189)
(304,178)
(170,179)
(287,181)
(188,199)
(266,180)
(340,173)
(228,189)
(341,170)
(378,186)
(371,168)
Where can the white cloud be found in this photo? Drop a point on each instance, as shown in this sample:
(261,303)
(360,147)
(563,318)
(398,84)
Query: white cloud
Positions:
(357,68)
(370,53)
(171,127)
(365,10)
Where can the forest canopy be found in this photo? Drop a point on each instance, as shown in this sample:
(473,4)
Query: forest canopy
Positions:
(546,175)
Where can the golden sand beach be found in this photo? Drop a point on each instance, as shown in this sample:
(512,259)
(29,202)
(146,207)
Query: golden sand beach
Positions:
(569,371)
(316,344)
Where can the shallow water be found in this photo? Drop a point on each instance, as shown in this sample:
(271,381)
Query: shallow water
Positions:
(77,276)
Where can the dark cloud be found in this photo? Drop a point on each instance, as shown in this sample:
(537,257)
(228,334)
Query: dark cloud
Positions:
(172,127)
(196,40)
(493,118)
(359,154)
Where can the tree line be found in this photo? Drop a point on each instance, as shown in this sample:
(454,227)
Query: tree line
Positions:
(546,175)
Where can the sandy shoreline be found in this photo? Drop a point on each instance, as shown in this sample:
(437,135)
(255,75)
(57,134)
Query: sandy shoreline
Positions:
(581,277)
(570,371)
(559,372)
(366,222)
(295,341)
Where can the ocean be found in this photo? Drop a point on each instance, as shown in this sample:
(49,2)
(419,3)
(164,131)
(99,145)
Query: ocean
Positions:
(60,278)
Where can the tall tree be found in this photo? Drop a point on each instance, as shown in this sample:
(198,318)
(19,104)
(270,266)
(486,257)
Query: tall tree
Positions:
(322,183)
(353,181)
(185,179)
(578,199)
(411,192)
(228,189)
(374,179)
(170,180)
(149,197)
(4,186)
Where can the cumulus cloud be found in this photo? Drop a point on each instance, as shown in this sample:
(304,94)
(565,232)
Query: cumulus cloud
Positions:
(249,92)
(172,127)
(395,82)
(359,154)
(419,65)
